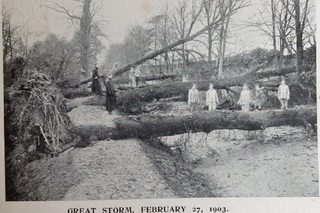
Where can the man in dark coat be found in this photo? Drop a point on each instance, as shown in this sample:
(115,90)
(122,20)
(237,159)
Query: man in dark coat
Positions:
(110,94)
(96,86)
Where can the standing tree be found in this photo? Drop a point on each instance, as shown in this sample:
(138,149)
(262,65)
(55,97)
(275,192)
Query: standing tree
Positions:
(219,10)
(162,29)
(115,53)
(184,19)
(12,44)
(136,43)
(300,17)
(88,31)
(284,20)
(55,57)
(286,25)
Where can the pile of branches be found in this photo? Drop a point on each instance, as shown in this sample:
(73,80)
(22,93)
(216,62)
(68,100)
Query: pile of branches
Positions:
(41,115)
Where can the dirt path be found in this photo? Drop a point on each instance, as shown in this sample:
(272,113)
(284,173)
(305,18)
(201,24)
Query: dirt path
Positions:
(116,170)
(92,115)
(125,169)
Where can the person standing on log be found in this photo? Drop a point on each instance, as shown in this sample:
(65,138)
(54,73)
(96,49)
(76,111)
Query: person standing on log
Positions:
(212,99)
(283,94)
(244,100)
(132,79)
(96,86)
(193,98)
(110,94)
(184,78)
(259,97)
(137,75)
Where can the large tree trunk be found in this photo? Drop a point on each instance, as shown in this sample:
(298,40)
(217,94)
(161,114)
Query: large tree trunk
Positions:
(155,126)
(204,121)
(299,34)
(278,72)
(153,92)
(160,91)
(146,78)
(85,33)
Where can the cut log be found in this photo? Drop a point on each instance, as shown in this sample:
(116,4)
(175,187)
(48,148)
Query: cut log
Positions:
(156,126)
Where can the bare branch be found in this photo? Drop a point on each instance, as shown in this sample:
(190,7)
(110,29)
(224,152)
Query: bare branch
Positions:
(61,9)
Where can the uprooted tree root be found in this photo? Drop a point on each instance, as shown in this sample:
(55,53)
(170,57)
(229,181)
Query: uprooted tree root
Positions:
(41,115)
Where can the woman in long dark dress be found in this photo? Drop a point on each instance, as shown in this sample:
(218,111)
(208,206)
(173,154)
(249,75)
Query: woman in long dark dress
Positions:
(110,95)
(96,86)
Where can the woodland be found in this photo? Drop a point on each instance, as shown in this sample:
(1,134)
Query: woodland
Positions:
(46,80)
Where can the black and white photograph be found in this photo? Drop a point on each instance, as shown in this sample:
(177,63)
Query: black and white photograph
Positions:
(158,99)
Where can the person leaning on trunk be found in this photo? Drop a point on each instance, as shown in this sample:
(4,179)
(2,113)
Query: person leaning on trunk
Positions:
(193,98)
(110,94)
(96,86)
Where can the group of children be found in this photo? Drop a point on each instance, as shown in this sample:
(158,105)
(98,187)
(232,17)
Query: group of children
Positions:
(134,77)
(245,101)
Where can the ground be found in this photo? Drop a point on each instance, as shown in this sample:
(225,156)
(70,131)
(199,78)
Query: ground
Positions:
(280,162)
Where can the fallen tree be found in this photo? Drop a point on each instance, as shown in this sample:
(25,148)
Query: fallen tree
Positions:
(177,88)
(127,67)
(155,126)
(171,89)
(157,92)
(277,72)
(204,121)
(145,78)
(40,115)
(298,96)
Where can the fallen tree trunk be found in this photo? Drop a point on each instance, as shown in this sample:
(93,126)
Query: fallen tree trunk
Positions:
(146,78)
(168,90)
(258,75)
(126,80)
(277,72)
(156,126)
(101,132)
(204,121)
(177,88)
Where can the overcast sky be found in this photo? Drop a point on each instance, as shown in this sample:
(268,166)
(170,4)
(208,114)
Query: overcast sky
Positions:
(34,16)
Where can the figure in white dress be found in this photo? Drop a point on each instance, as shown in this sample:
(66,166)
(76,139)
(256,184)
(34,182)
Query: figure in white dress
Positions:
(245,99)
(212,99)
(193,98)
(283,94)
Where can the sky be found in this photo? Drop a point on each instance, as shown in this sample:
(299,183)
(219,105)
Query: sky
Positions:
(38,20)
